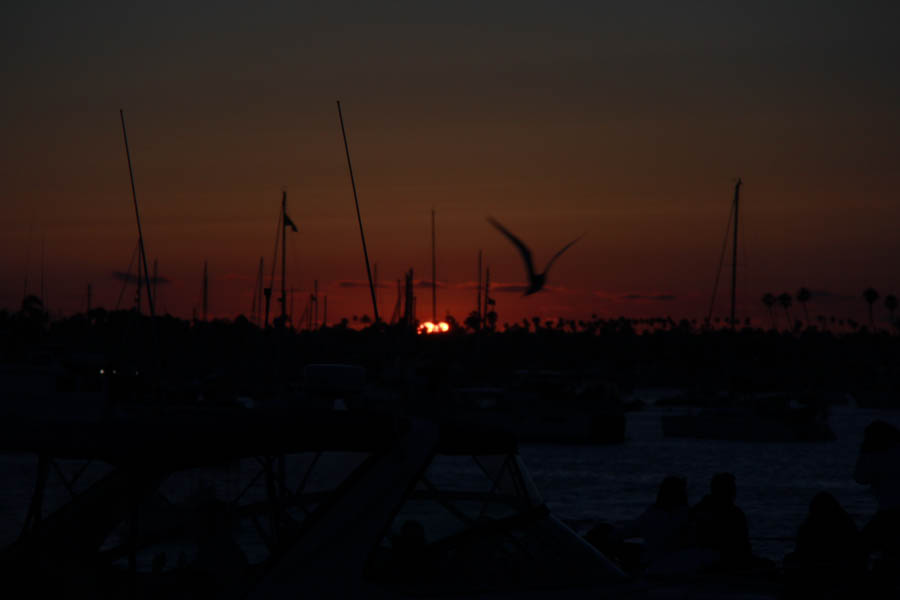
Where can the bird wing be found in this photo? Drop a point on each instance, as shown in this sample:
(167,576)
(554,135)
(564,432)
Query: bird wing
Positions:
(557,255)
(523,249)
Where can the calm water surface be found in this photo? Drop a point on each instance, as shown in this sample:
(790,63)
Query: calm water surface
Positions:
(583,484)
(775,481)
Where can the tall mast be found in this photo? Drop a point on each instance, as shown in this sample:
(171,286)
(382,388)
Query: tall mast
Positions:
(737,191)
(205,290)
(478,294)
(487,289)
(316,302)
(375,278)
(140,284)
(256,308)
(43,298)
(358,216)
(283,254)
(155,279)
(137,214)
(433,274)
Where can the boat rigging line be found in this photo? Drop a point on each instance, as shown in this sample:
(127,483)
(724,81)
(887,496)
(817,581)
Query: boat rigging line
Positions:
(358,216)
(137,214)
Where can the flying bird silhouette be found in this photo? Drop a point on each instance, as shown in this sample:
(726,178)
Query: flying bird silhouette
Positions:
(536,281)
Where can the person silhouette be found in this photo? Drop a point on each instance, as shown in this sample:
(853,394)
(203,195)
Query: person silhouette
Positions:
(878,466)
(718,524)
(662,526)
(829,555)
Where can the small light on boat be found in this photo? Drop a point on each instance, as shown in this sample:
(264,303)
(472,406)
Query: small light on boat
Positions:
(102,372)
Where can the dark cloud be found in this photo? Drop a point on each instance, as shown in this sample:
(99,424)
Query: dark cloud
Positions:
(132,278)
(635,297)
(426,283)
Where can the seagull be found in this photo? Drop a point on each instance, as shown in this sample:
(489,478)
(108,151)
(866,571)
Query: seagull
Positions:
(536,281)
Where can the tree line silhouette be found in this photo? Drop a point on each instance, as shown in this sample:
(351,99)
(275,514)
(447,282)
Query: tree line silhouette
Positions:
(803,296)
(235,357)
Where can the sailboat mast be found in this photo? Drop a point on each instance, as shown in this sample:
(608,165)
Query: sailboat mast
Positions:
(155,279)
(140,280)
(43,298)
(283,254)
(478,294)
(137,214)
(487,289)
(433,273)
(258,294)
(737,192)
(205,290)
(358,215)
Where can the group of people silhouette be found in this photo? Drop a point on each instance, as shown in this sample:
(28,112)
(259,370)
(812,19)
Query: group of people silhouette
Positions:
(711,535)
(832,555)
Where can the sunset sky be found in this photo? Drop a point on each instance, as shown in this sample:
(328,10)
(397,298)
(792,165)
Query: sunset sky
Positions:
(627,122)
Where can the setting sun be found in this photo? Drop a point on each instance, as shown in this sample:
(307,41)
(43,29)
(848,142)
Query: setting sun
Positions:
(429,327)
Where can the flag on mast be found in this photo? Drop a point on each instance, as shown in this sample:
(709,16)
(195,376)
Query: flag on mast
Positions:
(289,223)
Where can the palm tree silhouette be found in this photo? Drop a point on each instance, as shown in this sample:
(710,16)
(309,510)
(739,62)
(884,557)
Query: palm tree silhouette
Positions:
(803,296)
(870,296)
(769,300)
(890,303)
(785,300)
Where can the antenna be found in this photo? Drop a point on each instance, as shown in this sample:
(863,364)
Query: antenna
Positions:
(362,235)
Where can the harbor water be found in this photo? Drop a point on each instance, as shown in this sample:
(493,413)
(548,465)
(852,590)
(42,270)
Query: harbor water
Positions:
(775,481)
(583,484)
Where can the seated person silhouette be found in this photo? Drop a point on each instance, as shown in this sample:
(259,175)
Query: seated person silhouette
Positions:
(829,556)
(878,466)
(662,526)
(719,525)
